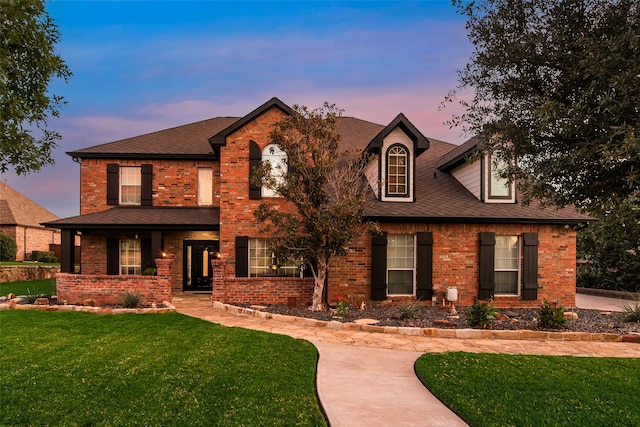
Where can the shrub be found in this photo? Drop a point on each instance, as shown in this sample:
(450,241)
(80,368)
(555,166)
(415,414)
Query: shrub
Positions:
(632,312)
(551,315)
(31,297)
(131,299)
(343,309)
(8,248)
(481,314)
(149,271)
(43,256)
(408,309)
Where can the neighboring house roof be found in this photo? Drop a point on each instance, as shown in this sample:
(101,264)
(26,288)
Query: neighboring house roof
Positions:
(17,209)
(144,217)
(189,141)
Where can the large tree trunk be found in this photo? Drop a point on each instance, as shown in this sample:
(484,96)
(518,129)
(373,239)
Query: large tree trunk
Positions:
(318,288)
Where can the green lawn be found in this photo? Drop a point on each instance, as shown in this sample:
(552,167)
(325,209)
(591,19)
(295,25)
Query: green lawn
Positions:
(506,390)
(33,287)
(70,368)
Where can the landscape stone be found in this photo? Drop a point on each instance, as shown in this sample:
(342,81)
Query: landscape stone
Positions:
(41,301)
(366,321)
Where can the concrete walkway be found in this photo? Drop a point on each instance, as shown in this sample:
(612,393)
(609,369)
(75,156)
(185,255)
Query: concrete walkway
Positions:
(367,379)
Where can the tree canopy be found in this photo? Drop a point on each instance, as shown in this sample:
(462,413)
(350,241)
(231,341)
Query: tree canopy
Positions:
(556,88)
(28,63)
(326,187)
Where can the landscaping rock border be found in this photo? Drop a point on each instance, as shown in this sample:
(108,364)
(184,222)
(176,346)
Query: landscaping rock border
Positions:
(15,304)
(522,334)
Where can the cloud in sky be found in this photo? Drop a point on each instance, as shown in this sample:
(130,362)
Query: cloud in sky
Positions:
(144,66)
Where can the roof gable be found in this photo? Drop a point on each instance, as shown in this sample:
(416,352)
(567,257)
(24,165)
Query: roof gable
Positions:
(421,143)
(458,155)
(220,138)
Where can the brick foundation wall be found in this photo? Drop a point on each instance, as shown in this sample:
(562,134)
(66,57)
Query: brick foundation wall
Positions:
(258,290)
(456,263)
(109,290)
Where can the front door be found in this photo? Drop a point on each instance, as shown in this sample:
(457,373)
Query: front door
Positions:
(197,274)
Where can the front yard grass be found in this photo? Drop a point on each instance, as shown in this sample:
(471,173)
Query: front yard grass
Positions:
(33,287)
(71,368)
(507,390)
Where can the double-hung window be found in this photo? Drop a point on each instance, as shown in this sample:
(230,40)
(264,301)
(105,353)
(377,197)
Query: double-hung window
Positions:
(400,264)
(262,261)
(205,186)
(507,265)
(130,185)
(130,257)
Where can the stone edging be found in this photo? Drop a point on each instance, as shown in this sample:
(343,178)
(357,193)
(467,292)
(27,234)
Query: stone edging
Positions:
(13,305)
(522,334)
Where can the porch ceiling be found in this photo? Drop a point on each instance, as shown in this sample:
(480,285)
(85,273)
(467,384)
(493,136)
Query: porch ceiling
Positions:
(139,217)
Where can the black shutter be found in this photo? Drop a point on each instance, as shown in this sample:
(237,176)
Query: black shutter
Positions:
(242,256)
(113,256)
(530,266)
(379,267)
(146,182)
(424,273)
(146,254)
(255,157)
(112,184)
(487,265)
(67,251)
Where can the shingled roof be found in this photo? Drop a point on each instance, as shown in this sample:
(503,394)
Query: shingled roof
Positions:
(17,209)
(144,217)
(190,141)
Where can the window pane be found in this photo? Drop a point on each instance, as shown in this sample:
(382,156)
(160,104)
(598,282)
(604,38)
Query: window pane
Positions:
(400,282)
(277,158)
(130,257)
(498,187)
(130,185)
(260,261)
(397,171)
(507,264)
(205,186)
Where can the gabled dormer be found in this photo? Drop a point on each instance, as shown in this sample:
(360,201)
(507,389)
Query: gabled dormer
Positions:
(392,174)
(479,174)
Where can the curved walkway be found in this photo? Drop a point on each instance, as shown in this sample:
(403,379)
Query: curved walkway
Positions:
(367,379)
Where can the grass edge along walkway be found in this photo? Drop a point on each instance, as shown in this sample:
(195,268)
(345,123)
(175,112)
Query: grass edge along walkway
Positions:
(526,390)
(68,368)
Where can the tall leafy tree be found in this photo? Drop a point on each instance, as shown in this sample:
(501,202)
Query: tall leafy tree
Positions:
(556,91)
(28,63)
(326,187)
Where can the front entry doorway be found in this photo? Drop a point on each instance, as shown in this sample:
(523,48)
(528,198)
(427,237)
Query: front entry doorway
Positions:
(197,274)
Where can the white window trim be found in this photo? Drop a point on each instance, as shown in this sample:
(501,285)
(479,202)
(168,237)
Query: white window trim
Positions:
(397,137)
(285,270)
(519,279)
(122,184)
(415,254)
(488,198)
(282,168)
(137,248)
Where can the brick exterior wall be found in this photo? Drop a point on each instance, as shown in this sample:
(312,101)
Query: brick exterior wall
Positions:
(456,263)
(258,290)
(109,290)
(30,239)
(174,183)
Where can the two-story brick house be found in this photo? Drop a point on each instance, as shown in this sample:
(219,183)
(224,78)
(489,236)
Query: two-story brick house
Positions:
(185,193)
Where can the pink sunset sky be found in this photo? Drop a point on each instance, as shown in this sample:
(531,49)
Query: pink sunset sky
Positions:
(148,65)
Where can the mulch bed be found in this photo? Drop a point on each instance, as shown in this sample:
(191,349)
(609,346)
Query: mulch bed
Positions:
(592,321)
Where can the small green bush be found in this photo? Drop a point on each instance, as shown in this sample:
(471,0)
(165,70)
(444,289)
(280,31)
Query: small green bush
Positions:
(131,299)
(43,256)
(149,271)
(632,312)
(408,309)
(481,314)
(551,315)
(31,297)
(8,248)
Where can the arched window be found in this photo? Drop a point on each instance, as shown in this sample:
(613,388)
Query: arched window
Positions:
(397,171)
(278,161)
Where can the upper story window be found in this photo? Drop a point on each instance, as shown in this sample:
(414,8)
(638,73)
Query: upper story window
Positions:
(397,171)
(498,189)
(205,186)
(130,185)
(277,158)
